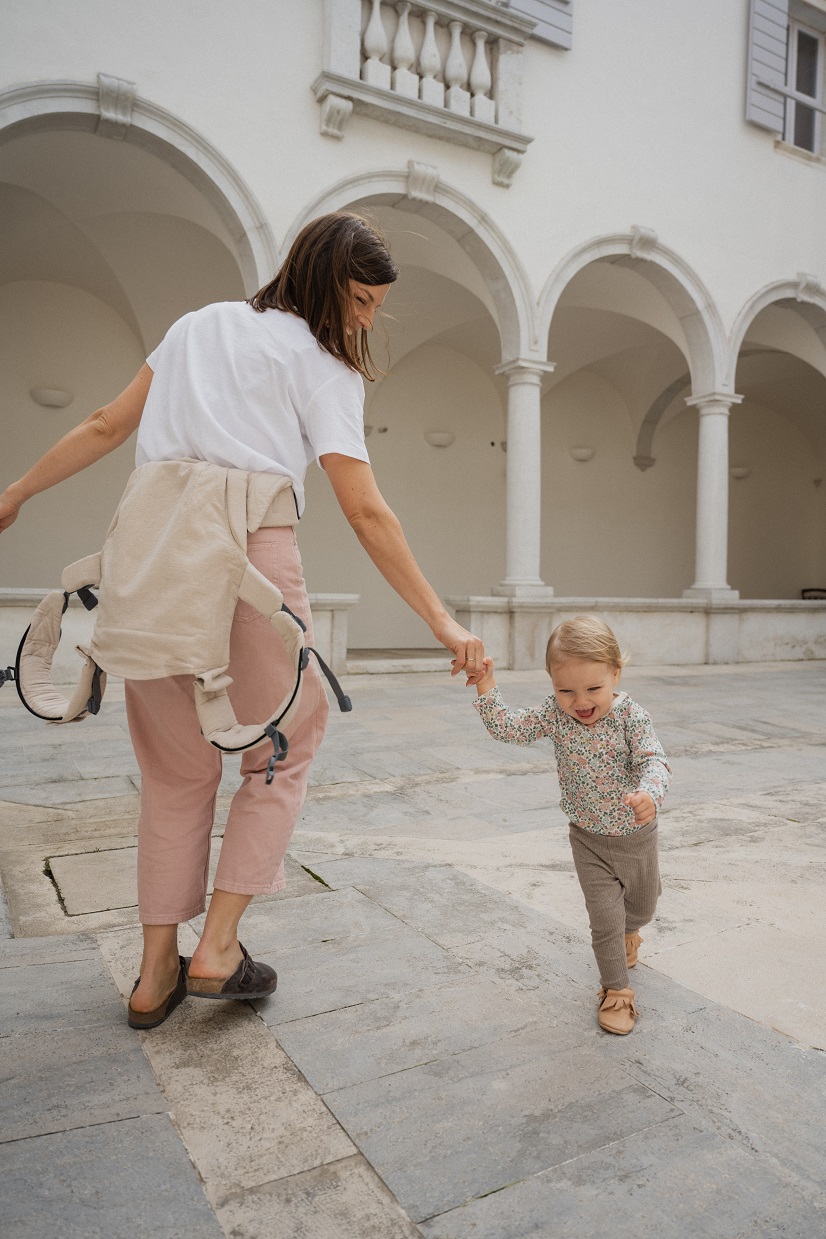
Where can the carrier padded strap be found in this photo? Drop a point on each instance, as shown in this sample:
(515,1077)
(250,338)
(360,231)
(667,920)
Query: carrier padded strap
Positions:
(215,713)
(81,573)
(34,666)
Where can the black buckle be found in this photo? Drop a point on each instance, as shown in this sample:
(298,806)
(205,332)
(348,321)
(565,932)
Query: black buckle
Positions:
(93,704)
(88,599)
(7,675)
(280,745)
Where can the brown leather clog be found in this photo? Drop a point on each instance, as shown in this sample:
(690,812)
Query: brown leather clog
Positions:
(151,1019)
(250,980)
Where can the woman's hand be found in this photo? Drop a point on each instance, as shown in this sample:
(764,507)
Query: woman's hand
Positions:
(9,508)
(468,651)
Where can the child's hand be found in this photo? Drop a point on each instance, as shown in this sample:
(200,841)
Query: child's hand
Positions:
(644,808)
(484,679)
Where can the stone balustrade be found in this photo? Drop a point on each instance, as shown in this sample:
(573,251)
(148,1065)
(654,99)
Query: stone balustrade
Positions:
(449,68)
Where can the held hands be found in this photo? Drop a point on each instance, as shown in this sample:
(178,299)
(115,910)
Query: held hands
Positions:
(644,808)
(468,651)
(486,681)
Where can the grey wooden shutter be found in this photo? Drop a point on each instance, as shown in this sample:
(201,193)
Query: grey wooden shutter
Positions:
(768,34)
(553,19)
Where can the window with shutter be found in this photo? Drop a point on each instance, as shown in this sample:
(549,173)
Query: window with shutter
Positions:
(553,19)
(804,82)
(765,92)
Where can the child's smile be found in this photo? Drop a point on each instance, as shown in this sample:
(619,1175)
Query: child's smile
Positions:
(584,689)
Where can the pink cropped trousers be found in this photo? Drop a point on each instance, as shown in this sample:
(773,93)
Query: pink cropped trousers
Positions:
(180,770)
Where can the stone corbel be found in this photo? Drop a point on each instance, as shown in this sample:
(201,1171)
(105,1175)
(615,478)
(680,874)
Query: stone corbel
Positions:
(116,100)
(335,113)
(506,164)
(808,286)
(422,179)
(643,241)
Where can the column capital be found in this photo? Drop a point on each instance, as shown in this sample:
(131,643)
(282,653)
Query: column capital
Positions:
(713,398)
(525,369)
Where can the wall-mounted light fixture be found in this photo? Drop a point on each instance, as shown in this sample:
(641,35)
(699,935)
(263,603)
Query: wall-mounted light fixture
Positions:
(581,453)
(439,438)
(51,397)
(740,471)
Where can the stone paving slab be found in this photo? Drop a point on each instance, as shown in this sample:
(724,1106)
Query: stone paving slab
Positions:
(492,1115)
(65,792)
(331,975)
(671,1181)
(125,1180)
(791,962)
(68,994)
(74,1077)
(394,1034)
(345,1200)
(106,878)
(750,1084)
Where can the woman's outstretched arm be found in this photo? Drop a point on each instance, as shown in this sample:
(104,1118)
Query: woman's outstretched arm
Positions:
(99,434)
(379,532)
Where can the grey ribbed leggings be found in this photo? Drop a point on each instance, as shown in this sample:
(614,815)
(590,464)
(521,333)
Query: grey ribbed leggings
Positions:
(620,879)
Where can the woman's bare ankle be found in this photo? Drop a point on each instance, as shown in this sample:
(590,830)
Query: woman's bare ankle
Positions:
(209,960)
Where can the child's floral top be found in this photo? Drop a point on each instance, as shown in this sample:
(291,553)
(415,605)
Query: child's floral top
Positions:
(597,764)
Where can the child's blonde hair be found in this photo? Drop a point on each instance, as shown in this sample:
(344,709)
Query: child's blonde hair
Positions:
(584,636)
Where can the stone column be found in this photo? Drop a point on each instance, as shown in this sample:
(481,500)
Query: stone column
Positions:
(711,549)
(524,482)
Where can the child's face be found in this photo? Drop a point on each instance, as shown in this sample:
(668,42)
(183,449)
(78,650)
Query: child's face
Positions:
(585,690)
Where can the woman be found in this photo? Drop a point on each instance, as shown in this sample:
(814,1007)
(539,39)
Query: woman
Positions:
(270,384)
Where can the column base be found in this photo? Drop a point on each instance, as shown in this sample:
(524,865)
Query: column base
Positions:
(523,589)
(712,593)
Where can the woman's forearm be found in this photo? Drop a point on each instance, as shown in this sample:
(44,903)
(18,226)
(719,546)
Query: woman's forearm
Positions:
(99,434)
(82,446)
(382,537)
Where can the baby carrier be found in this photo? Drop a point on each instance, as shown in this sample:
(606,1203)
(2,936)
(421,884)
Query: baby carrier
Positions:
(172,568)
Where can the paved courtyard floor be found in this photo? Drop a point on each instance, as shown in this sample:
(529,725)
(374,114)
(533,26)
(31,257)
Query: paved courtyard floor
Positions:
(431,1064)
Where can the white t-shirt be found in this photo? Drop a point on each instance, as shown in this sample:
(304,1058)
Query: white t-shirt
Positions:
(249,391)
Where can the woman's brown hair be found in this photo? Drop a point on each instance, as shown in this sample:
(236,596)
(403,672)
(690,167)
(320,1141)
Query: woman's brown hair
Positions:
(314,282)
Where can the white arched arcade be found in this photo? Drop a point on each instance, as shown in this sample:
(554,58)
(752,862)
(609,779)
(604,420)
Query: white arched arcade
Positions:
(117,219)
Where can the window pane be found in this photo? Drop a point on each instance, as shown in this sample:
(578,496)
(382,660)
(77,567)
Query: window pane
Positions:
(806,76)
(804,127)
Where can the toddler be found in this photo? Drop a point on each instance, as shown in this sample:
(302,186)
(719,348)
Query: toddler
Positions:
(613,775)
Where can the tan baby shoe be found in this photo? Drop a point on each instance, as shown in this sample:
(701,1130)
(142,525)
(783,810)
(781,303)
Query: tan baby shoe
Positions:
(617,1010)
(632,945)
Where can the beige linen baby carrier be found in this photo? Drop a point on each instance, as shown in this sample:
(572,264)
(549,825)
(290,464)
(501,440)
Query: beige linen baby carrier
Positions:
(173,567)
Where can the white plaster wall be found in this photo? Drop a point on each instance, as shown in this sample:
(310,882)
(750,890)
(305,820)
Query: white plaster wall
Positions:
(773,511)
(55,336)
(450,501)
(607,528)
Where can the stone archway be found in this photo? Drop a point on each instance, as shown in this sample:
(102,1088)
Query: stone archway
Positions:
(804,296)
(695,327)
(420,191)
(113,110)
(684,292)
